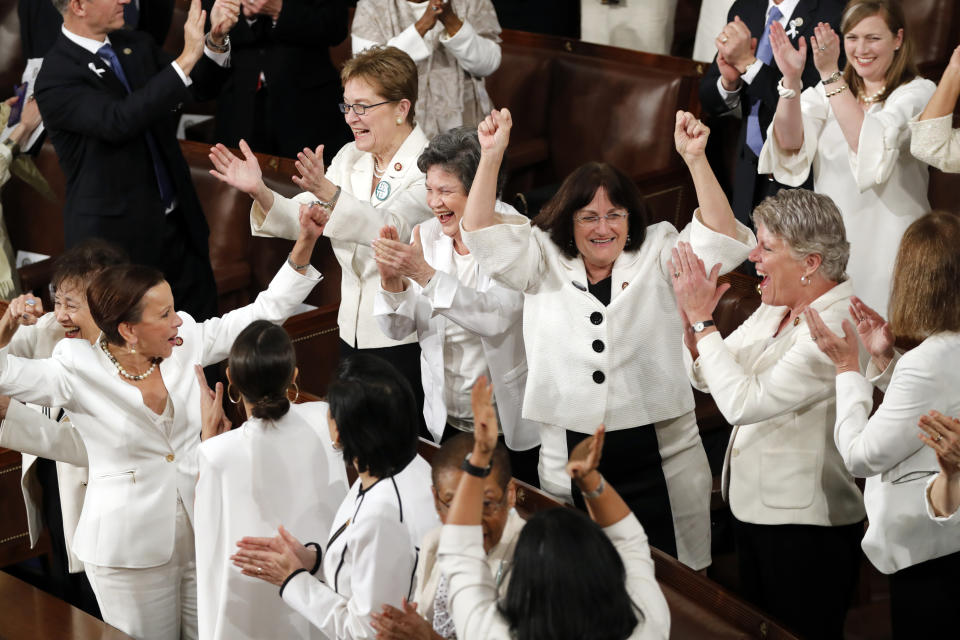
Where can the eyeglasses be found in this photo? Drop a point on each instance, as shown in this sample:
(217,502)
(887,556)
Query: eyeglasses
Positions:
(490,507)
(612,219)
(361,109)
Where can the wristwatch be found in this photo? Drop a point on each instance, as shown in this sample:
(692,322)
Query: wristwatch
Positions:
(477,472)
(698,327)
(836,75)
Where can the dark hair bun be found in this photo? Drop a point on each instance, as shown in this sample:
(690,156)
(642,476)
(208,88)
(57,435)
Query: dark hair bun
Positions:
(271,407)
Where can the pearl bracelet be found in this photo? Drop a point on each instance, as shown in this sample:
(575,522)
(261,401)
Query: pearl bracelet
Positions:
(784,92)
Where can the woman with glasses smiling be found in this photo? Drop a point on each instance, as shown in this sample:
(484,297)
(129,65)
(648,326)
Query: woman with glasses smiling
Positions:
(603,344)
(373,181)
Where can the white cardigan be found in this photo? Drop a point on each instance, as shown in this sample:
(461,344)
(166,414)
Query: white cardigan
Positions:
(570,335)
(491,311)
(781,466)
(473,596)
(371,555)
(138,472)
(355,222)
(885,449)
(936,142)
(253,479)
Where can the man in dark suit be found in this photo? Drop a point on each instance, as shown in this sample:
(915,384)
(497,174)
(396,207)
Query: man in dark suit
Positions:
(110,100)
(745,75)
(283,90)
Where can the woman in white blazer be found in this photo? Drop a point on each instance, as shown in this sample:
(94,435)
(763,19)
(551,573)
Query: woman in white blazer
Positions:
(40,431)
(599,343)
(372,181)
(933,138)
(920,556)
(797,512)
(371,553)
(467,325)
(134,400)
(277,468)
(851,130)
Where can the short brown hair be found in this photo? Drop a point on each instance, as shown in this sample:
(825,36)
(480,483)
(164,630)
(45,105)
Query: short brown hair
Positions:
(576,192)
(81,263)
(452,452)
(116,295)
(925,297)
(903,68)
(389,70)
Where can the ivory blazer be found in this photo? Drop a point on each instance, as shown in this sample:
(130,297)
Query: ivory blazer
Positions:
(36,432)
(884,449)
(400,200)
(491,311)
(781,465)
(590,363)
(137,471)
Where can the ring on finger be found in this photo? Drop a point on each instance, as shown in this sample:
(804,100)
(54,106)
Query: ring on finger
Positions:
(938,438)
(822,48)
(259,570)
(676,275)
(724,39)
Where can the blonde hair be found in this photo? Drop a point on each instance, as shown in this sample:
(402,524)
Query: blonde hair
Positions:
(903,68)
(925,297)
(389,70)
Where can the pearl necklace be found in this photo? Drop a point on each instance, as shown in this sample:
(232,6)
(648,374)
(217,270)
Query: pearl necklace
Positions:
(126,374)
(377,171)
(875,97)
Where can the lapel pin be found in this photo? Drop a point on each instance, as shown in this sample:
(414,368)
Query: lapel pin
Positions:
(127,51)
(93,68)
(624,285)
(397,167)
(796,22)
(796,321)
(178,341)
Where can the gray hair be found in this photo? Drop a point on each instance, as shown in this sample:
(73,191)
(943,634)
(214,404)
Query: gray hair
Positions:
(457,151)
(810,223)
(61,5)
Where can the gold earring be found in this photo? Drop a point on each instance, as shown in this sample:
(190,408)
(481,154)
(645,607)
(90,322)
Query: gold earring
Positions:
(133,350)
(297,396)
(230,395)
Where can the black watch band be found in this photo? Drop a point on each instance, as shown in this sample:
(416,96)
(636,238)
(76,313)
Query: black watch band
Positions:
(478,472)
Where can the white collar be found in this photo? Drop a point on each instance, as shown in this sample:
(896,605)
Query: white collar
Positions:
(787,7)
(91,45)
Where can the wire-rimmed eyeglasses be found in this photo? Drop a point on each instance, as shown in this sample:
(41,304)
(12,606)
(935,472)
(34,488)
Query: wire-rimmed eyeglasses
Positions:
(361,109)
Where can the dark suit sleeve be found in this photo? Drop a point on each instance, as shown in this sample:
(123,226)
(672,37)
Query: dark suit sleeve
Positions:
(312,23)
(75,103)
(713,103)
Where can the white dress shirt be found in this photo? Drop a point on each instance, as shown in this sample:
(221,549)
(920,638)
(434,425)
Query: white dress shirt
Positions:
(880,190)
(884,449)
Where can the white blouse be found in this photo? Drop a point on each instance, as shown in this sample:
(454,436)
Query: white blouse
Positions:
(371,556)
(880,189)
(473,593)
(253,479)
(885,450)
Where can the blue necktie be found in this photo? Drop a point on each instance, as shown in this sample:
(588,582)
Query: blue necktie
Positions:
(764,55)
(164,183)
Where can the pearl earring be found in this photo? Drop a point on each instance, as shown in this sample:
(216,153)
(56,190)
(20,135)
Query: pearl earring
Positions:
(399,120)
(804,280)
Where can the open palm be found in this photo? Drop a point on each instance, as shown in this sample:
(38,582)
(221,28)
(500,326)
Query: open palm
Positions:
(244,174)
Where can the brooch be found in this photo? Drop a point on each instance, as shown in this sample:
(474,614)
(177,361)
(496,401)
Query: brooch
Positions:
(792,31)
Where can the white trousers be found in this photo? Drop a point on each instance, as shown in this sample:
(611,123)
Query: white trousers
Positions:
(157,603)
(643,25)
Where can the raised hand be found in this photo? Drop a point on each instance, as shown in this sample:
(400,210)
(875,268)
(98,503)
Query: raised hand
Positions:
(737,45)
(789,60)
(193,35)
(690,137)
(223,17)
(826,49)
(729,73)
(942,434)
(406,260)
(697,292)
(485,425)
(270,559)
(312,176)
(25,309)
(429,18)
(244,175)
(842,351)
(313,218)
(390,278)
(954,65)
(874,332)
(494,131)
(585,457)
(213,421)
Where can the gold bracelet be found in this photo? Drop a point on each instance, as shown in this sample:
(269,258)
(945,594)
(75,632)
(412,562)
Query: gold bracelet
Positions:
(839,90)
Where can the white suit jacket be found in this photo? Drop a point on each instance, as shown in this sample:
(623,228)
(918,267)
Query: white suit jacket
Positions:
(781,465)
(491,311)
(885,450)
(399,200)
(36,432)
(370,557)
(137,472)
(591,363)
(253,479)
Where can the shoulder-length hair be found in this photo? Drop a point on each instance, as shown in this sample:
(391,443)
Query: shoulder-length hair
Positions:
(925,297)
(903,68)
(376,415)
(262,362)
(576,192)
(567,582)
